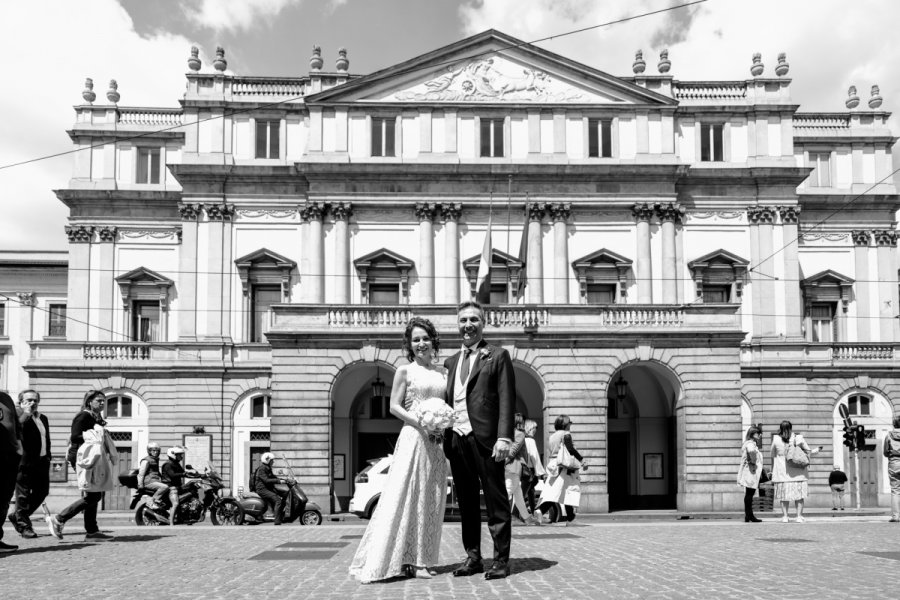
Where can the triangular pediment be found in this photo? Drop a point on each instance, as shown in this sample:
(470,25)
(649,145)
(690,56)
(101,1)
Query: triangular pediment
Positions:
(264,256)
(718,257)
(491,67)
(600,257)
(383,258)
(826,278)
(498,258)
(143,275)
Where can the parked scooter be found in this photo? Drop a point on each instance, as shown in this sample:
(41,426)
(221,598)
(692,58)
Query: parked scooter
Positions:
(297,504)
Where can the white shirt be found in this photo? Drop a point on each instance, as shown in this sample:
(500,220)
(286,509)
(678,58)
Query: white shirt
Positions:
(462,426)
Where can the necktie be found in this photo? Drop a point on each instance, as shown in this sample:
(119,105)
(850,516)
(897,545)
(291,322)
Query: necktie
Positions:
(464,367)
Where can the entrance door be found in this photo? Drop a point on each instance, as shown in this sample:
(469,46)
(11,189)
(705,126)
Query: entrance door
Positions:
(868,479)
(120,496)
(618,480)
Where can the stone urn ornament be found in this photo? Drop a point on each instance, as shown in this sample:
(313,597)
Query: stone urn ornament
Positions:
(112,94)
(194,61)
(852,100)
(88,92)
(342,64)
(638,65)
(781,69)
(664,63)
(220,64)
(315,61)
(875,100)
(757,68)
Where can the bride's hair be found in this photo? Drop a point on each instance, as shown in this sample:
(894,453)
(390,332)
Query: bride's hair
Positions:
(428,326)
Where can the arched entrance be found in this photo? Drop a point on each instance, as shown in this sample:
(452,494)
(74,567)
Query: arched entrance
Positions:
(128,422)
(250,435)
(870,409)
(642,437)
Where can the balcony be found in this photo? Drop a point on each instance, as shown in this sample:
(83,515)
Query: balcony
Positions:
(851,355)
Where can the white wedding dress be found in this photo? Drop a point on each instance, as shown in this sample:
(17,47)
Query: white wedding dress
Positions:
(405,528)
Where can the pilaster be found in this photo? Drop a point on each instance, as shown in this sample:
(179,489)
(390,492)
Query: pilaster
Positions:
(642,214)
(559,214)
(669,214)
(793,309)
(451,214)
(762,219)
(535,265)
(866,326)
(342,211)
(187,272)
(79,281)
(885,252)
(314,213)
(106,235)
(425,214)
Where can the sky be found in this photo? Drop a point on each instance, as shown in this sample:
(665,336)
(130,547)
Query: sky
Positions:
(49,47)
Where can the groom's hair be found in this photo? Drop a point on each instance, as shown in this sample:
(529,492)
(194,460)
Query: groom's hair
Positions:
(470,304)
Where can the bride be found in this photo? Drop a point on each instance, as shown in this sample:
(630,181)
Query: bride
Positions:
(404,534)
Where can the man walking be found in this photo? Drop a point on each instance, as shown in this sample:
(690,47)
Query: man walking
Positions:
(481,388)
(33,481)
(10,455)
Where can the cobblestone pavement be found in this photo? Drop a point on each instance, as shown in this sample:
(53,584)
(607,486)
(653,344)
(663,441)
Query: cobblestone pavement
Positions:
(823,558)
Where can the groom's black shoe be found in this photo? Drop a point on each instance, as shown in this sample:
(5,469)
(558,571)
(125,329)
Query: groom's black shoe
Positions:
(498,570)
(470,567)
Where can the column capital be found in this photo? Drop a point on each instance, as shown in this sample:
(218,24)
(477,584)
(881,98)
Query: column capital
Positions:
(560,211)
(758,215)
(671,211)
(885,237)
(861,237)
(536,211)
(189,212)
(312,211)
(342,211)
(451,211)
(26,298)
(425,211)
(642,212)
(107,234)
(219,212)
(789,214)
(79,234)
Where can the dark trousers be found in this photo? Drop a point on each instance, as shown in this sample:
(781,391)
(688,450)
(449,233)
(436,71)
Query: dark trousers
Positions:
(274,500)
(528,484)
(88,504)
(748,502)
(570,510)
(32,487)
(473,470)
(9,470)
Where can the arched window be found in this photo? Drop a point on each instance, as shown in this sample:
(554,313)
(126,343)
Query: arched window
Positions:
(118,407)
(260,407)
(859,405)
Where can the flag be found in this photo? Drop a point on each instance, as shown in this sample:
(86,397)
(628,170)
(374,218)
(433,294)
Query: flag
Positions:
(523,256)
(483,283)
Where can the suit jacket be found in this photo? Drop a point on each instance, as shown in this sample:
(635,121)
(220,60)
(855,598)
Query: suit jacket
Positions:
(31,440)
(490,393)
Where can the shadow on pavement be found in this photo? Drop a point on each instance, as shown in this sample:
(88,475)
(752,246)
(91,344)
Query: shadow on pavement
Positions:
(524,565)
(56,548)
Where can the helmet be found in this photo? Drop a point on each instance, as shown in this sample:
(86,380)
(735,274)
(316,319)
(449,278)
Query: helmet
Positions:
(152,446)
(174,451)
(267,458)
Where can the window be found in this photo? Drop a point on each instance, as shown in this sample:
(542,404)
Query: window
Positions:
(711,142)
(821,173)
(145,322)
(492,138)
(264,296)
(859,405)
(716,293)
(384,293)
(822,318)
(600,138)
(118,407)
(2,318)
(383,137)
(261,407)
(57,320)
(267,138)
(148,165)
(601,293)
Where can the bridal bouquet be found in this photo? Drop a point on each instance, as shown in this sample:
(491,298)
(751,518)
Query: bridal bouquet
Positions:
(435,415)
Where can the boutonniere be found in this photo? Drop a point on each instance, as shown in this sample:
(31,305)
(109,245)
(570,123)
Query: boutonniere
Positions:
(485,354)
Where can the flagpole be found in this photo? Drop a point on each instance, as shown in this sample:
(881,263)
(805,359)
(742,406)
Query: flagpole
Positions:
(508,213)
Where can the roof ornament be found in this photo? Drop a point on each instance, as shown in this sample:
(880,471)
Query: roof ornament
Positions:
(342,64)
(664,63)
(88,92)
(852,100)
(757,68)
(220,64)
(638,65)
(315,61)
(781,69)
(875,100)
(112,94)
(194,61)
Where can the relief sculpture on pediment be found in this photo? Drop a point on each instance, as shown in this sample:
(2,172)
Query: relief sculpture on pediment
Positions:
(487,80)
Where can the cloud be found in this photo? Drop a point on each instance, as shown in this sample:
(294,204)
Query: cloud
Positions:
(241,15)
(676,28)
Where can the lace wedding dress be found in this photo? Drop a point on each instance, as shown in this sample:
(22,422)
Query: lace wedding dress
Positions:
(405,528)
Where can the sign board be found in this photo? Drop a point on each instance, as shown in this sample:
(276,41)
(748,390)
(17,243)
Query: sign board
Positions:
(198,450)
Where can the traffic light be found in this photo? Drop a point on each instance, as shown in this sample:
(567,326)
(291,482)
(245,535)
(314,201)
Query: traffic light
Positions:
(850,436)
(860,437)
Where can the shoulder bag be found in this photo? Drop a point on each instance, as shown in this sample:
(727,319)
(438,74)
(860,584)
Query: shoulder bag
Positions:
(795,455)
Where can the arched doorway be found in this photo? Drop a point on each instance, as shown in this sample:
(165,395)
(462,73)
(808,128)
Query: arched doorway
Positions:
(250,435)
(870,409)
(128,424)
(642,435)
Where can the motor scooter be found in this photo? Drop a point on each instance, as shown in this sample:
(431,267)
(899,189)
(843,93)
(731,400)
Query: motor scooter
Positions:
(297,504)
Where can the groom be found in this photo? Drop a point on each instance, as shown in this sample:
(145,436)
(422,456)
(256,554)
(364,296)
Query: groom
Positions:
(481,388)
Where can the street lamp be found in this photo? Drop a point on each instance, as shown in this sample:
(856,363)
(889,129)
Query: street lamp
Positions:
(377,386)
(622,393)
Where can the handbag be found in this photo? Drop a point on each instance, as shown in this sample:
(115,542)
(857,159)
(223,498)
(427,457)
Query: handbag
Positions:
(565,459)
(796,456)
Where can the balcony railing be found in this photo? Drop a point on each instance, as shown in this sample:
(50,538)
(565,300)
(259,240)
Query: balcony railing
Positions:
(267,86)
(156,117)
(778,353)
(148,354)
(724,90)
(862,352)
(113,351)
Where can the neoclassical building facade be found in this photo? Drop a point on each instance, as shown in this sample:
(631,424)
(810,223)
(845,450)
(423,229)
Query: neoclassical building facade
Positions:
(672,261)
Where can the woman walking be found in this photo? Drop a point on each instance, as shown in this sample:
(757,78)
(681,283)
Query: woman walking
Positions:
(564,484)
(750,470)
(789,477)
(892,453)
(513,472)
(532,469)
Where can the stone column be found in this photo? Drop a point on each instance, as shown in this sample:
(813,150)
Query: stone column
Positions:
(215,215)
(27,302)
(226,266)
(535,266)
(425,214)
(763,217)
(642,214)
(313,214)
(79,284)
(559,214)
(886,249)
(342,211)
(187,272)
(451,213)
(108,288)
(793,309)
(865,332)
(669,214)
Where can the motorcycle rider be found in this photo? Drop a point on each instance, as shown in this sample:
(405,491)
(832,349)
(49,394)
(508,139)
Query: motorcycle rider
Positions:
(173,474)
(265,486)
(149,476)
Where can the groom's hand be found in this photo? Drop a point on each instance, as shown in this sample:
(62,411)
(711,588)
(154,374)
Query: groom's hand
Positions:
(501,451)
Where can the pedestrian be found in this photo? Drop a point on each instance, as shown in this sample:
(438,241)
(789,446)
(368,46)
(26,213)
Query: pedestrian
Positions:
(790,479)
(33,481)
(512,471)
(892,453)
(10,456)
(837,479)
(532,469)
(750,471)
(149,477)
(564,480)
(91,415)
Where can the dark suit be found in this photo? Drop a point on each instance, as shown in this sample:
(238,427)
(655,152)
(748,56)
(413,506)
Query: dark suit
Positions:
(33,481)
(490,402)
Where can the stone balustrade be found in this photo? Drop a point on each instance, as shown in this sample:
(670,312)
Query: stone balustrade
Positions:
(862,352)
(144,355)
(114,351)
(822,121)
(850,354)
(156,117)
(701,90)
(267,86)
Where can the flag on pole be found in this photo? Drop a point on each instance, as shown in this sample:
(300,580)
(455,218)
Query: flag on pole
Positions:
(483,283)
(523,256)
